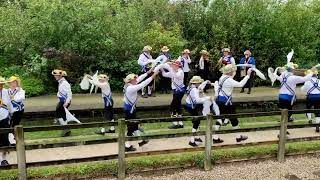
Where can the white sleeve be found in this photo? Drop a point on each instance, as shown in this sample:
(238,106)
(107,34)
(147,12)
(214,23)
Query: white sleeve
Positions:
(67,88)
(234,83)
(21,96)
(203,85)
(199,99)
(304,88)
(135,88)
(177,75)
(7,102)
(299,79)
(142,77)
(141,62)
(189,60)
(233,61)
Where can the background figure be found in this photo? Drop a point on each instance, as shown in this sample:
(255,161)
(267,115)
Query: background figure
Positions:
(164,81)
(226,58)
(203,66)
(145,60)
(185,61)
(17,96)
(247,59)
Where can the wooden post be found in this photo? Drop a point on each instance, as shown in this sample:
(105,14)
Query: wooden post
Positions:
(208,144)
(21,152)
(121,149)
(283,135)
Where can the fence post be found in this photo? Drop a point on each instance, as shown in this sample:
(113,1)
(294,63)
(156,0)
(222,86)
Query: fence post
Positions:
(121,149)
(208,143)
(21,152)
(282,135)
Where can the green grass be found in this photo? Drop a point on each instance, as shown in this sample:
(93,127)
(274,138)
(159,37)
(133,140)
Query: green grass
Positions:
(104,168)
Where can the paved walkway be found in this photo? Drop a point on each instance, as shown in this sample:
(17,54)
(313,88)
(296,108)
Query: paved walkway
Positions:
(87,101)
(39,155)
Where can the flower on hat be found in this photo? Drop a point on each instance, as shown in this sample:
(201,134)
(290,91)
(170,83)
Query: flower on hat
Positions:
(2,80)
(186,51)
(130,77)
(226,50)
(58,72)
(204,52)
(165,49)
(291,66)
(228,68)
(147,48)
(196,80)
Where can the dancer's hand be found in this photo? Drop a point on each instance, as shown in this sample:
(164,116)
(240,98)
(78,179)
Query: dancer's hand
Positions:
(65,105)
(249,71)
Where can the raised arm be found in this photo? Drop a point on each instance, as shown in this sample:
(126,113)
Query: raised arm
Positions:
(234,83)
(203,85)
(299,79)
(142,77)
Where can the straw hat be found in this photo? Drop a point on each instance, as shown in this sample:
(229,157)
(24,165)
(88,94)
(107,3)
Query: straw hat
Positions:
(165,49)
(196,80)
(204,52)
(291,66)
(176,63)
(226,50)
(247,52)
(228,68)
(14,78)
(58,72)
(103,77)
(130,77)
(147,48)
(186,51)
(2,80)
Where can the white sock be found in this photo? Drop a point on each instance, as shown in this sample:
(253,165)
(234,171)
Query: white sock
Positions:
(127,145)
(103,130)
(309,116)
(180,123)
(219,121)
(216,127)
(11,138)
(112,128)
(149,90)
(175,123)
(226,121)
(137,133)
(192,139)
(142,91)
(215,137)
(194,130)
(318,120)
(238,136)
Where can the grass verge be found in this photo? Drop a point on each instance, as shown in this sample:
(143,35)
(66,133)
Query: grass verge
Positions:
(195,159)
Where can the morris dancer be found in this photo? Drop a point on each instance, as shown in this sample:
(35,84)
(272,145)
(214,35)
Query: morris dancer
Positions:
(162,58)
(224,100)
(103,83)
(287,93)
(312,90)
(227,57)
(194,103)
(144,60)
(64,95)
(133,84)
(17,96)
(247,59)
(5,110)
(176,74)
(185,61)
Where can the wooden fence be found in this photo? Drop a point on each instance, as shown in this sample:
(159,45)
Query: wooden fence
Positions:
(21,147)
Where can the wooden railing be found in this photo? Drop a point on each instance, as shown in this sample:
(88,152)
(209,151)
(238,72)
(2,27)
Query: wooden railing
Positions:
(21,147)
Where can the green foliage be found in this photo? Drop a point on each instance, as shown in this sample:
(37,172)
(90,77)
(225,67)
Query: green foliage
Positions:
(83,36)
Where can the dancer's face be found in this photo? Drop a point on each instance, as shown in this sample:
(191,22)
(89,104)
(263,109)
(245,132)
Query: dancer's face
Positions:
(13,84)
(57,77)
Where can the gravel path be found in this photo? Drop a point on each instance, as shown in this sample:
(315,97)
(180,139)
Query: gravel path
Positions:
(295,168)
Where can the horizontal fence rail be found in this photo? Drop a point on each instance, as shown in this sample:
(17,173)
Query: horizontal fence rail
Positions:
(21,146)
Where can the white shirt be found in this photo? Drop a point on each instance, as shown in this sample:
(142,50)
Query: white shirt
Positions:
(309,86)
(131,91)
(194,95)
(162,58)
(104,86)
(230,83)
(185,64)
(144,59)
(176,77)
(5,100)
(291,81)
(17,96)
(64,90)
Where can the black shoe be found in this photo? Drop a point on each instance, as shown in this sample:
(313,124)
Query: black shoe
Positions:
(110,131)
(153,95)
(181,126)
(310,121)
(66,133)
(130,149)
(242,138)
(143,142)
(249,92)
(242,91)
(4,163)
(141,129)
(144,96)
(198,139)
(317,129)
(217,141)
(174,126)
(291,119)
(193,144)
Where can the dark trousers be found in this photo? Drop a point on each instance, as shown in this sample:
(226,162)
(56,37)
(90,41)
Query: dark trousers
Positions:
(194,112)
(249,83)
(108,113)
(131,126)
(4,140)
(285,104)
(186,78)
(313,103)
(16,118)
(228,109)
(164,84)
(60,112)
(175,106)
(149,85)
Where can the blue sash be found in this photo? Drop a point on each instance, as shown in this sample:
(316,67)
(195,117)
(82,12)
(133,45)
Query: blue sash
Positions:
(128,105)
(108,101)
(225,98)
(193,101)
(15,104)
(285,84)
(315,86)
